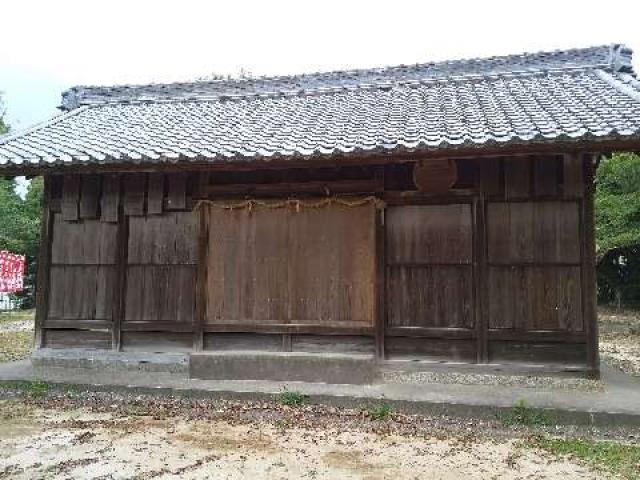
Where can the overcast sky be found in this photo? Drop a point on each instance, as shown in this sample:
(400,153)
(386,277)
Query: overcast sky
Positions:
(47,46)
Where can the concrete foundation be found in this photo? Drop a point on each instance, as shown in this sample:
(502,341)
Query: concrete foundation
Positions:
(290,366)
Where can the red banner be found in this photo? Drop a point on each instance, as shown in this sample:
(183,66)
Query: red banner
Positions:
(12,268)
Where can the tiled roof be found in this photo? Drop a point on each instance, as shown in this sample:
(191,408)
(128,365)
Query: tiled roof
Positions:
(574,95)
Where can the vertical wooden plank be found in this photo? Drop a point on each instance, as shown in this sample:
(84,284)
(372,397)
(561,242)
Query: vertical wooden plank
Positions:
(380,286)
(545,176)
(110,200)
(589,309)
(119,296)
(573,178)
(480,278)
(155,193)
(134,189)
(89,195)
(201,281)
(491,178)
(44,265)
(177,191)
(70,197)
(517,178)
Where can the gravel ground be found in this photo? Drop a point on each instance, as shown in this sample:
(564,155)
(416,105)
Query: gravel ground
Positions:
(620,339)
(16,326)
(16,336)
(103,435)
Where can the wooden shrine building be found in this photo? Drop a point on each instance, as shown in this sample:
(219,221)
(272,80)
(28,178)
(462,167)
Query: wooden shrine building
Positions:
(436,212)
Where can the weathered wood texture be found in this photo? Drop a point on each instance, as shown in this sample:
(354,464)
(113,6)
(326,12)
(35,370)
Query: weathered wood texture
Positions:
(312,266)
(429,266)
(534,255)
(44,263)
(161,255)
(540,232)
(82,272)
(535,298)
(493,269)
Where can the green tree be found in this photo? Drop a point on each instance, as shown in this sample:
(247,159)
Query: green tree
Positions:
(618,229)
(20,220)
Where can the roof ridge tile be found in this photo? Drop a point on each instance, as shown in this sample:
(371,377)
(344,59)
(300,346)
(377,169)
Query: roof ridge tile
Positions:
(615,57)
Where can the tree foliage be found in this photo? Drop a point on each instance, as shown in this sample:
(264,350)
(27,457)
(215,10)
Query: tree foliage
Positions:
(618,228)
(20,220)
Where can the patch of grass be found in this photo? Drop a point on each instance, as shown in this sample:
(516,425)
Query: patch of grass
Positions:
(15,345)
(36,388)
(291,398)
(612,457)
(523,415)
(17,315)
(379,412)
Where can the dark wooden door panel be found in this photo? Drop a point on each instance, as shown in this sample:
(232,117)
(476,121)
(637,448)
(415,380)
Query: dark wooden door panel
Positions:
(527,298)
(287,265)
(544,232)
(430,296)
(429,234)
(429,272)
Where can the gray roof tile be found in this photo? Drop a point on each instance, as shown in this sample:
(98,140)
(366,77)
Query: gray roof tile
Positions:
(568,95)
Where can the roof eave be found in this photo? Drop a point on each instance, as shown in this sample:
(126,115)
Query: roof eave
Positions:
(399,155)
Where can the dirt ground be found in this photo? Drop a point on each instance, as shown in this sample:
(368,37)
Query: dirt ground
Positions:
(82,444)
(113,436)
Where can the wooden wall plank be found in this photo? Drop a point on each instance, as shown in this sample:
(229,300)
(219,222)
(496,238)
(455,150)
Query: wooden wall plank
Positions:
(70,197)
(535,298)
(90,339)
(546,181)
(429,234)
(573,181)
(160,293)
(533,232)
(88,242)
(177,191)
(517,178)
(134,193)
(333,255)
(169,239)
(430,296)
(89,196)
(248,278)
(275,265)
(110,199)
(155,193)
(491,178)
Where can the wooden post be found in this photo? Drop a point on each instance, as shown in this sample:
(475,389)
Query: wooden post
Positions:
(44,262)
(480,278)
(380,286)
(120,296)
(201,282)
(589,307)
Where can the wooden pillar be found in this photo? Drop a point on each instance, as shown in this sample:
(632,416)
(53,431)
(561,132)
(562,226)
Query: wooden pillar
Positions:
(44,263)
(480,278)
(380,286)
(201,268)
(120,296)
(589,293)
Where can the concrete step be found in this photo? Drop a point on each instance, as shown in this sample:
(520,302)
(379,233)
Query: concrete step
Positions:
(355,369)
(46,359)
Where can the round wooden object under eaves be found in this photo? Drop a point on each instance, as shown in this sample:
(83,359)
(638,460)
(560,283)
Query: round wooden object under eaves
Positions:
(435,176)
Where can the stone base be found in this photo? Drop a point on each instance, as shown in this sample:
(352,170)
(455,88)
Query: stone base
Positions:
(279,366)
